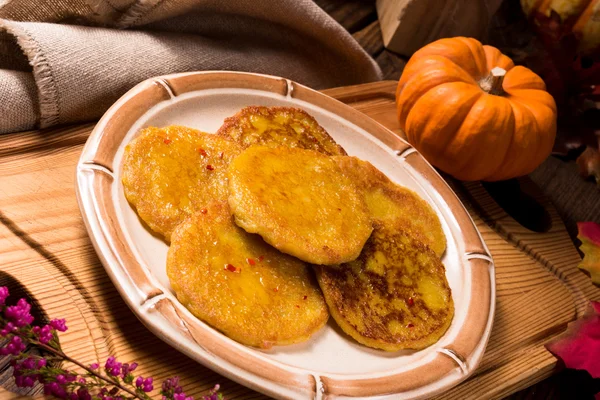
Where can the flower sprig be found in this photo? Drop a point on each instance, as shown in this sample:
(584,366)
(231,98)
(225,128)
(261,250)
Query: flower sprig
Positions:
(113,381)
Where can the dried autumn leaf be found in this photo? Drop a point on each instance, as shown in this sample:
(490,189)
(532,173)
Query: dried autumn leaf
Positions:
(579,346)
(589,164)
(589,234)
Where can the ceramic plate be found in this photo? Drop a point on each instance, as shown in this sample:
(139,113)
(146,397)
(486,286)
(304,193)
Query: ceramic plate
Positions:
(330,365)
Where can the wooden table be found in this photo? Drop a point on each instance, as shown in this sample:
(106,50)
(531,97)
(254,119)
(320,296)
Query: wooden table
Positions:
(45,247)
(575,199)
(37,174)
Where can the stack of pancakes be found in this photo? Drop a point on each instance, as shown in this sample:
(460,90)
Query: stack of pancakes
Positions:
(272,227)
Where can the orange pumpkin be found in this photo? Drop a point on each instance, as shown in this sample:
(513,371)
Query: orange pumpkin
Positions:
(472,113)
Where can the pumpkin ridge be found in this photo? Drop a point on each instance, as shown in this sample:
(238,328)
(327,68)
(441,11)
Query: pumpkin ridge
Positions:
(495,58)
(521,77)
(519,98)
(457,51)
(480,60)
(541,153)
(422,82)
(442,140)
(509,148)
(463,170)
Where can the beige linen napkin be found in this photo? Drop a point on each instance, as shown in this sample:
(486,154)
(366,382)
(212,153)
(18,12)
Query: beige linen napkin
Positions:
(64,61)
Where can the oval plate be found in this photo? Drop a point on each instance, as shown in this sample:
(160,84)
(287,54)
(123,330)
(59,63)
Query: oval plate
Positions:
(330,365)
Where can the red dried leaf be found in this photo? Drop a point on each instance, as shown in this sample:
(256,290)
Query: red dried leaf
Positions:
(589,163)
(589,234)
(579,346)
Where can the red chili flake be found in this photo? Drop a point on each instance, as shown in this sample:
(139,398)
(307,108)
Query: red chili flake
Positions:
(339,209)
(276,289)
(230,268)
(410,325)
(202,152)
(167,141)
(203,210)
(260,258)
(210,167)
(305,297)
(411,302)
(221,155)
(250,261)
(297,306)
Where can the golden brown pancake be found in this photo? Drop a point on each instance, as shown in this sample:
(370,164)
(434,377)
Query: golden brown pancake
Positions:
(278,126)
(392,203)
(240,285)
(168,173)
(394,296)
(300,203)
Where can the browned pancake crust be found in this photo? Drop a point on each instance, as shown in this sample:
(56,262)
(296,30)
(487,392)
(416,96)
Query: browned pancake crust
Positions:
(278,126)
(168,173)
(392,203)
(240,285)
(394,296)
(300,203)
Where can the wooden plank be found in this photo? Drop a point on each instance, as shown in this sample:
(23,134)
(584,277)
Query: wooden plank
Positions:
(353,15)
(44,245)
(408,25)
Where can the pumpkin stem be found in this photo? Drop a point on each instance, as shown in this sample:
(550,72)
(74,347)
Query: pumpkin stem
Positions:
(492,83)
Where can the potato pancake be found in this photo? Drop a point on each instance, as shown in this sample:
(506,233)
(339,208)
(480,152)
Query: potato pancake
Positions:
(168,173)
(278,126)
(394,296)
(299,202)
(389,202)
(240,285)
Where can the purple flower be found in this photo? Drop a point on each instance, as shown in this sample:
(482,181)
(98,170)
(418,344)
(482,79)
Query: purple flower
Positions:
(8,328)
(112,366)
(3,294)
(212,394)
(24,381)
(29,364)
(44,334)
(148,387)
(144,384)
(182,396)
(59,324)
(55,390)
(19,314)
(64,384)
(14,347)
(83,394)
(171,384)
(126,369)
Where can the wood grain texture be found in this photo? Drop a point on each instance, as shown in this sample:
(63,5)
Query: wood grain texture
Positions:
(44,245)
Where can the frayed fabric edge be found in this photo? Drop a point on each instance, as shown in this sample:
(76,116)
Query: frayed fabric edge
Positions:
(135,12)
(42,73)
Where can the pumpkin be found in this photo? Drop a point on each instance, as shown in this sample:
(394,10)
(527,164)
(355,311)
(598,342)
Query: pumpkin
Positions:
(474,114)
(556,17)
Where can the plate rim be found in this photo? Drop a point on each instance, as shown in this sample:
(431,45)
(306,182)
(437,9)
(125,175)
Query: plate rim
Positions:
(147,299)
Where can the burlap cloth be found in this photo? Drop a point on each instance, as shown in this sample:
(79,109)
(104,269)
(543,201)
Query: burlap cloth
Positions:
(64,61)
